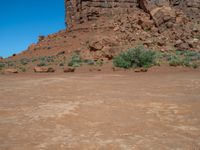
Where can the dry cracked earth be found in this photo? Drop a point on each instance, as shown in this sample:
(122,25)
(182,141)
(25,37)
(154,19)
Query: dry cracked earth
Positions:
(105,111)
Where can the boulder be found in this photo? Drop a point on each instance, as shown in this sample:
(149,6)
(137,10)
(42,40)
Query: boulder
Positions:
(11,70)
(160,11)
(43,69)
(193,43)
(97,43)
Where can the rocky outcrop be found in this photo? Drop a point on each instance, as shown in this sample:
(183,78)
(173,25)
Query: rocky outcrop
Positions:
(191,8)
(162,11)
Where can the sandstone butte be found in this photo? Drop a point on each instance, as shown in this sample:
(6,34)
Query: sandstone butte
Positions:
(100,29)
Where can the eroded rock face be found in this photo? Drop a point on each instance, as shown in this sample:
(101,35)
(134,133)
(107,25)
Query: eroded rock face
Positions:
(191,8)
(162,11)
(78,11)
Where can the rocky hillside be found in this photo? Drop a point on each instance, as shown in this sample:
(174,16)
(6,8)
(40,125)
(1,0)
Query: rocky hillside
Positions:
(99,30)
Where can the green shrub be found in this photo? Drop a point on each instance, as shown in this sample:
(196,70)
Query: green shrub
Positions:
(136,57)
(24,61)
(184,58)
(75,60)
(175,60)
(22,69)
(42,58)
(89,61)
(49,59)
(99,63)
(2,65)
(42,63)
(34,59)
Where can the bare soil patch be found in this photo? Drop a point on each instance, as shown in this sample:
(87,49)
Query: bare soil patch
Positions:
(121,110)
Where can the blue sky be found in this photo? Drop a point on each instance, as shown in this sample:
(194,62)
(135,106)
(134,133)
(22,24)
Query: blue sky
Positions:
(22,21)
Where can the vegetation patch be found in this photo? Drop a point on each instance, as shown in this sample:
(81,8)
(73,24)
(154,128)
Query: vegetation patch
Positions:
(75,60)
(2,65)
(24,61)
(184,58)
(135,58)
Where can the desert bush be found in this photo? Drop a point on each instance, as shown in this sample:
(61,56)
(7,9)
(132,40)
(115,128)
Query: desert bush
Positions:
(34,59)
(135,57)
(175,60)
(75,60)
(184,58)
(99,63)
(49,59)
(22,69)
(24,61)
(2,65)
(41,64)
(89,61)
(10,63)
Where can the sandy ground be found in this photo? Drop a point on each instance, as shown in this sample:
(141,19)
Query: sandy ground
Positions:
(90,111)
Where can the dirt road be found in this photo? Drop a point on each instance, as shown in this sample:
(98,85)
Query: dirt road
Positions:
(89,111)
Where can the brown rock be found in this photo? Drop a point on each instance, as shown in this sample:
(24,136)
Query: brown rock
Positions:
(193,43)
(60,53)
(94,69)
(161,12)
(95,45)
(178,43)
(41,38)
(184,46)
(161,42)
(141,70)
(43,69)
(11,70)
(69,69)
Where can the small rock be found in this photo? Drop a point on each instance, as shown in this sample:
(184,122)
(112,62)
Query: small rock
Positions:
(60,53)
(141,70)
(195,29)
(116,28)
(193,43)
(148,43)
(161,43)
(41,38)
(184,46)
(178,43)
(94,69)
(11,70)
(69,69)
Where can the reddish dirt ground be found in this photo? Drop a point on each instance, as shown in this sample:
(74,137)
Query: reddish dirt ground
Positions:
(105,111)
